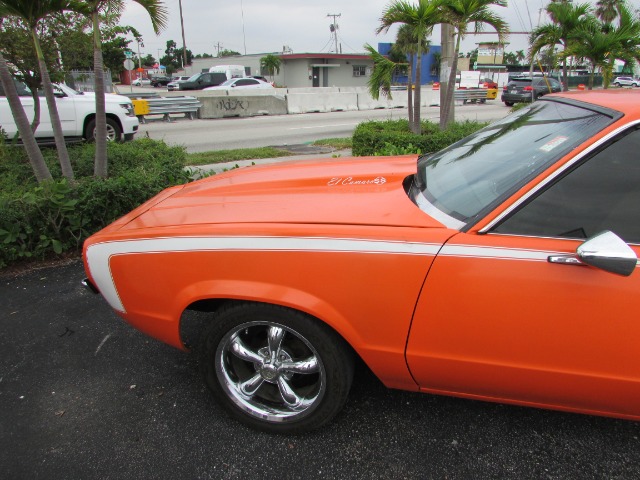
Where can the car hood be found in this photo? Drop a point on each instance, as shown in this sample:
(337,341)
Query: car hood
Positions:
(108,97)
(350,191)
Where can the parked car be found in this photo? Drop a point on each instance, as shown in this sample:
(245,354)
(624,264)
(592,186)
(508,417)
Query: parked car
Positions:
(77,111)
(488,83)
(139,82)
(502,268)
(260,77)
(175,81)
(242,84)
(526,89)
(160,81)
(626,82)
(200,81)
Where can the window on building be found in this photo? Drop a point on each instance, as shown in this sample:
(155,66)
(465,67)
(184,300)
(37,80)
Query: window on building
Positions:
(359,70)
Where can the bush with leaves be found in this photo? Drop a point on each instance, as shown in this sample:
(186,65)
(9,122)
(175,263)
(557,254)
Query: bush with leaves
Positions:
(39,221)
(392,137)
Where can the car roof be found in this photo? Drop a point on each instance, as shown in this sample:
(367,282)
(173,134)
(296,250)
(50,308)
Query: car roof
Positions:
(621,100)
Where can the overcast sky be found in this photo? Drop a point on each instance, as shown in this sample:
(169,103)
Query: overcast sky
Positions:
(265,26)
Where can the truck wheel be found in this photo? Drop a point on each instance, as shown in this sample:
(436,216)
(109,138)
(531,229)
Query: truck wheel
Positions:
(114,132)
(509,104)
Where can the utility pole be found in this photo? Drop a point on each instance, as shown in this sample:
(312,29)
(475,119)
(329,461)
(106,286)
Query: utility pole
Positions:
(334,29)
(218,47)
(184,44)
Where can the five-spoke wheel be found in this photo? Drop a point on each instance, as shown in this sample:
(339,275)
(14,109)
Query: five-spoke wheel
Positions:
(275,368)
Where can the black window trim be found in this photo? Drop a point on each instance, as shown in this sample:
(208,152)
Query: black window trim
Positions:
(588,152)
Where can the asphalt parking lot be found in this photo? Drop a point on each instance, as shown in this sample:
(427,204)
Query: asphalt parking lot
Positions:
(83,396)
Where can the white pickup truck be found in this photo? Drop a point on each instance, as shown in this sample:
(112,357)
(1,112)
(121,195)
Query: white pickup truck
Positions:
(77,112)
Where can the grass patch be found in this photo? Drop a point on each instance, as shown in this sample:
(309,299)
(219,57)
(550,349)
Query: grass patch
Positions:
(338,143)
(222,156)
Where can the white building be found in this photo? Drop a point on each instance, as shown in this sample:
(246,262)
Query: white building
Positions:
(300,69)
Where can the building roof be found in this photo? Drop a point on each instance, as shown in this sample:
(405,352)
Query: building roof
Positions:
(334,56)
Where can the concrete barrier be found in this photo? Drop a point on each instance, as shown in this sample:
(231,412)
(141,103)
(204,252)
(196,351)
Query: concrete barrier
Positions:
(367,102)
(242,106)
(321,102)
(313,90)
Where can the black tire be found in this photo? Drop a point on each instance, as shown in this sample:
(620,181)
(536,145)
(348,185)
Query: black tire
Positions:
(616,84)
(244,354)
(509,104)
(114,132)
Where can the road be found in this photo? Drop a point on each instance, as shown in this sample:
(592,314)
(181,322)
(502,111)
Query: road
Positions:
(85,396)
(230,133)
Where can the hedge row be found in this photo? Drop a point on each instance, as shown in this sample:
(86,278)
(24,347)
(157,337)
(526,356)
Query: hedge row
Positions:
(38,221)
(371,138)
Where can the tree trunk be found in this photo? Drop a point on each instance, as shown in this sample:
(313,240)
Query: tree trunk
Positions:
(446,108)
(447,115)
(35,123)
(565,84)
(410,93)
(417,127)
(100,166)
(40,169)
(58,135)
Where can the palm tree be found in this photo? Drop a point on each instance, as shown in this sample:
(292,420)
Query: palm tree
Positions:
(406,46)
(608,10)
(601,47)
(271,64)
(40,169)
(421,17)
(460,13)
(93,8)
(566,18)
(380,79)
(31,12)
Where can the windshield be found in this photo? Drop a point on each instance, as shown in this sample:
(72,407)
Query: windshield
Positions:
(195,77)
(463,181)
(228,82)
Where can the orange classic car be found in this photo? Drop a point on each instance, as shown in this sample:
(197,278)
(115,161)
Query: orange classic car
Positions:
(502,268)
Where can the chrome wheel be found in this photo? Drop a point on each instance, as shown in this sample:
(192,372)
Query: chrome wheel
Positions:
(274,368)
(270,371)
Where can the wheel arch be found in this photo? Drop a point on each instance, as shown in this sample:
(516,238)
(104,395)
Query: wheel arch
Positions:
(223,292)
(92,116)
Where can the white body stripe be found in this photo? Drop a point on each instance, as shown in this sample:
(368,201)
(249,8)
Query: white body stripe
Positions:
(99,255)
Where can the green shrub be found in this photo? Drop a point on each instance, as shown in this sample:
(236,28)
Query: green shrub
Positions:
(38,221)
(376,138)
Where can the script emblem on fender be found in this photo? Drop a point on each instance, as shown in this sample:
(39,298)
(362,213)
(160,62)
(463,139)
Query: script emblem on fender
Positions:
(354,181)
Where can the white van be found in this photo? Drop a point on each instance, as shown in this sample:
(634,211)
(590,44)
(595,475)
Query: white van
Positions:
(230,71)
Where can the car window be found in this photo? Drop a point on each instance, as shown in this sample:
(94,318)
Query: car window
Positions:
(600,194)
(246,81)
(473,175)
(22,89)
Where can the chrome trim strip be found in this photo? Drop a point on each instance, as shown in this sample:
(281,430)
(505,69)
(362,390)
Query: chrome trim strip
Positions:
(554,175)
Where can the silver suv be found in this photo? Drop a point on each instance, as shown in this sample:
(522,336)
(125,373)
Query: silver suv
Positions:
(626,82)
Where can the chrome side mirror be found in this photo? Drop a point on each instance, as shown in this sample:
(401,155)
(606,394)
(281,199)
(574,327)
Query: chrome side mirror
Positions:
(605,251)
